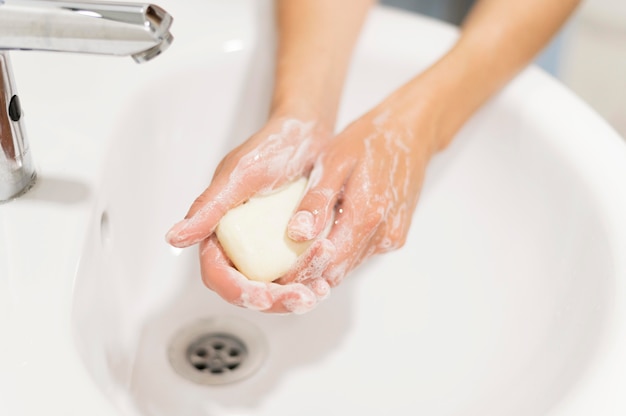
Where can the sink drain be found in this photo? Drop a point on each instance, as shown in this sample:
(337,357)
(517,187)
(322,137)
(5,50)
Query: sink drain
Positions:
(218,350)
(217,353)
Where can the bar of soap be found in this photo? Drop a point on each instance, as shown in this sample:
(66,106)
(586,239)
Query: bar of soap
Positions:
(254,234)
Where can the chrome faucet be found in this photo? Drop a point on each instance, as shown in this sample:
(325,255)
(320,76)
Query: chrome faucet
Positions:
(111,28)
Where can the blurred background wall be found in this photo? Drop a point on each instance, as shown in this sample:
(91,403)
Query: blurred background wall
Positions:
(593,62)
(588,55)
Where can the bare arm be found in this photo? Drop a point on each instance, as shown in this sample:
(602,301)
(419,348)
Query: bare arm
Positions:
(316,38)
(497,40)
(375,167)
(373,170)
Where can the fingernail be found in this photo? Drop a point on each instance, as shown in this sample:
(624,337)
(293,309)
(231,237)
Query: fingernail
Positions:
(301,226)
(176,235)
(302,304)
(295,297)
(321,288)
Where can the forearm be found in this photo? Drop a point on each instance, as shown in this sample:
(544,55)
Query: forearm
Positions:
(315,40)
(497,40)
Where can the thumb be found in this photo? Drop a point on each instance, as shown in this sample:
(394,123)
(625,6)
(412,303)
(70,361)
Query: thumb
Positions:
(316,209)
(207,210)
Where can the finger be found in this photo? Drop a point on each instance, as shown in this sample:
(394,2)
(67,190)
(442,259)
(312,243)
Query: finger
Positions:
(292,298)
(219,276)
(355,227)
(311,264)
(316,209)
(277,154)
(224,193)
(320,287)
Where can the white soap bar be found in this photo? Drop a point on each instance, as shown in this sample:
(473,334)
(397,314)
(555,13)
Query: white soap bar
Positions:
(254,235)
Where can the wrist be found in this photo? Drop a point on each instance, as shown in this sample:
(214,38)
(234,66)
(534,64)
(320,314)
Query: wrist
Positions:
(305,110)
(318,128)
(418,107)
(445,95)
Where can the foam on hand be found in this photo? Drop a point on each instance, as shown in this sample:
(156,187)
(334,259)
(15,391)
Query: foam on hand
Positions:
(254,234)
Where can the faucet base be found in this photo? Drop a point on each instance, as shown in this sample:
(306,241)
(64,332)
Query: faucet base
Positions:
(24,180)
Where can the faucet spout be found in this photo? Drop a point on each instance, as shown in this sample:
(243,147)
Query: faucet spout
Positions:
(141,31)
(124,29)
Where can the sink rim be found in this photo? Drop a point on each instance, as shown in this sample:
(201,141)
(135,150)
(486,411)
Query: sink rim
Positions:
(605,159)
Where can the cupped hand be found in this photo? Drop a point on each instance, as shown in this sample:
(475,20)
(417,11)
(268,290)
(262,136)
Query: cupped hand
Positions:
(298,296)
(283,150)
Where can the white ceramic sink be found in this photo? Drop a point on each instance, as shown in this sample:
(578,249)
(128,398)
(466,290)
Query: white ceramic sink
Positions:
(509,297)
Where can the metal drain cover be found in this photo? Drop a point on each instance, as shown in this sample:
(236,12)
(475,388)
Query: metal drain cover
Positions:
(217,353)
(219,350)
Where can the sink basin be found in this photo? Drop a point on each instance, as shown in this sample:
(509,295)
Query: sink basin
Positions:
(508,298)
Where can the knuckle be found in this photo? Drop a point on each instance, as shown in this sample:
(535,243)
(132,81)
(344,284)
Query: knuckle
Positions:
(373,219)
(398,238)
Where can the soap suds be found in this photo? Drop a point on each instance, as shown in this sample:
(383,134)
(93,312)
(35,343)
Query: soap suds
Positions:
(252,295)
(295,297)
(314,262)
(307,225)
(321,288)
(336,274)
(260,296)
(379,196)
(282,157)
(301,226)
(383,199)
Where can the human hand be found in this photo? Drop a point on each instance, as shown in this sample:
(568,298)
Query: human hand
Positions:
(299,295)
(283,150)
(371,175)
(369,178)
